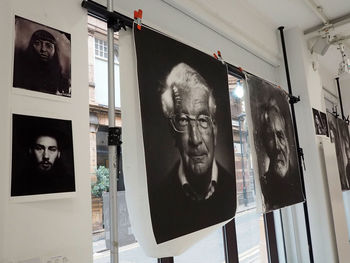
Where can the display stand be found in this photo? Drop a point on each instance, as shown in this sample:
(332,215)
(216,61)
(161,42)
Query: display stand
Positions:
(292,101)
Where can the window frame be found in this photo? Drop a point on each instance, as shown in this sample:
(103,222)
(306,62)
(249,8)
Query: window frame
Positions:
(229,230)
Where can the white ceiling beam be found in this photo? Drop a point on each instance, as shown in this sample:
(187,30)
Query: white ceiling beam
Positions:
(318,10)
(337,22)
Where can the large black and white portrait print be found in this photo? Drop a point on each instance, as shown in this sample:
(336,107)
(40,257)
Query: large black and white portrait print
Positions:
(42,156)
(344,139)
(335,138)
(187,136)
(339,135)
(42,60)
(275,153)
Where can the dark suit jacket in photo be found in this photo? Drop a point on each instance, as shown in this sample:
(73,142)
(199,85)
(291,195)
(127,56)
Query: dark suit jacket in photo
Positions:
(280,192)
(174,214)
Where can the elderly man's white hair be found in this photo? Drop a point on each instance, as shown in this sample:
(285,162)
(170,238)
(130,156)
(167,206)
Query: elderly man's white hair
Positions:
(182,76)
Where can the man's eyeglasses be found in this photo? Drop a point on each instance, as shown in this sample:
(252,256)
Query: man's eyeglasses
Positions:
(180,122)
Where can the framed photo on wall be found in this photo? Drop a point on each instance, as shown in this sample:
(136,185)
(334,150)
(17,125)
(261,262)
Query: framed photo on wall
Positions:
(42,156)
(42,58)
(320,122)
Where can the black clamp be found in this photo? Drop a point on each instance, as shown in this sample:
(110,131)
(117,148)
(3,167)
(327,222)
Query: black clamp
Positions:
(293,99)
(115,23)
(347,120)
(301,155)
(114,136)
(335,111)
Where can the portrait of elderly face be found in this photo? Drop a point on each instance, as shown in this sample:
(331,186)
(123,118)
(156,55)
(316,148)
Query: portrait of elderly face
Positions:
(337,137)
(276,140)
(275,153)
(42,156)
(187,133)
(42,58)
(190,107)
(344,154)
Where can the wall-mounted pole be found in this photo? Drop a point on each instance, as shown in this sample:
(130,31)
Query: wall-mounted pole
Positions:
(340,99)
(112,147)
(290,91)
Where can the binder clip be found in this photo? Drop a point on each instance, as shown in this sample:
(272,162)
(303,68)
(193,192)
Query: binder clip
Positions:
(219,57)
(138,18)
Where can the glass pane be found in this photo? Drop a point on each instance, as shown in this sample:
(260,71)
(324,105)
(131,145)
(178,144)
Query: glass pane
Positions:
(129,249)
(249,224)
(208,250)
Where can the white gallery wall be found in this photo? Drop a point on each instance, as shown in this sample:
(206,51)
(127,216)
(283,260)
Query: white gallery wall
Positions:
(63,226)
(177,23)
(308,82)
(59,227)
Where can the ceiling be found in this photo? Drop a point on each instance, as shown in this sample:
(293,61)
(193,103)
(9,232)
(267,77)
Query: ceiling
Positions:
(291,13)
(309,15)
(302,13)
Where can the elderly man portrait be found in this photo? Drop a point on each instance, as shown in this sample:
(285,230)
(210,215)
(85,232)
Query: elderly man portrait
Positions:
(198,191)
(280,184)
(344,139)
(187,136)
(274,151)
(37,165)
(37,65)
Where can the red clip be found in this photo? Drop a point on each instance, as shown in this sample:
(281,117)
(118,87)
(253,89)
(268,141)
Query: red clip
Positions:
(138,18)
(218,57)
(240,69)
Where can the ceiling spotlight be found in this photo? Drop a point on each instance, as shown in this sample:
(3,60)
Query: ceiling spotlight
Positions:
(344,65)
(323,41)
(321,46)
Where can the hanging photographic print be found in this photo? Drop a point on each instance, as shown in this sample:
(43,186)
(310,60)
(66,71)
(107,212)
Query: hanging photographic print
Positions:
(324,123)
(275,153)
(187,134)
(344,155)
(320,122)
(42,156)
(42,59)
(339,135)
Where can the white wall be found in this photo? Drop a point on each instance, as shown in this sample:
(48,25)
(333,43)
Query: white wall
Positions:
(52,227)
(330,92)
(160,15)
(308,83)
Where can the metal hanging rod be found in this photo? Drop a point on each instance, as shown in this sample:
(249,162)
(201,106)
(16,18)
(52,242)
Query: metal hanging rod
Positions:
(114,19)
(300,153)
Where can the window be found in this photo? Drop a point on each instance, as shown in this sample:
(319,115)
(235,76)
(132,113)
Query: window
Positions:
(129,250)
(249,237)
(250,226)
(208,250)
(101,73)
(101,50)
